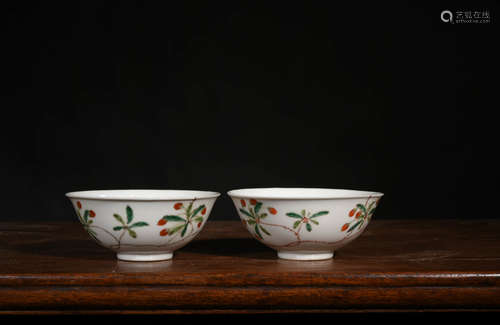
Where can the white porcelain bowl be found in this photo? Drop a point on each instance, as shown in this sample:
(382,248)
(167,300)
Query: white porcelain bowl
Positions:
(143,225)
(305,223)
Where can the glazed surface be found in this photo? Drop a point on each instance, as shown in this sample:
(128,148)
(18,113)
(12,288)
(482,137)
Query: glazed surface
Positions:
(300,193)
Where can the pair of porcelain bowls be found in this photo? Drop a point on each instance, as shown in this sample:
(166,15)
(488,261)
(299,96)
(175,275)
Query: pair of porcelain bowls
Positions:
(300,223)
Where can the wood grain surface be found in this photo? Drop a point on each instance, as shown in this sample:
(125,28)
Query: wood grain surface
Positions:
(407,265)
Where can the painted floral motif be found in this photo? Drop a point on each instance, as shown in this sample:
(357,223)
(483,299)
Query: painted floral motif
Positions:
(305,218)
(125,227)
(86,219)
(255,215)
(128,226)
(187,217)
(360,214)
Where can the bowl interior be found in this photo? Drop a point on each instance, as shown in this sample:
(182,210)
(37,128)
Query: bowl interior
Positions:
(143,195)
(301,193)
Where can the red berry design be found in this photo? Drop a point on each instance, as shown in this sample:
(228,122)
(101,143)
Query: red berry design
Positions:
(253,201)
(352,212)
(244,222)
(164,232)
(78,204)
(272,210)
(204,211)
(162,222)
(243,203)
(177,206)
(91,213)
(199,224)
(358,214)
(344,227)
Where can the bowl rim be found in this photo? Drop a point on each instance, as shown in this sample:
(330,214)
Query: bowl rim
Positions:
(298,193)
(142,195)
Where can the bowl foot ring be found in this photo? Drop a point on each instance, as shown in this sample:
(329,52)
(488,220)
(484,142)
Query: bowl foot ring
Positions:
(305,256)
(138,257)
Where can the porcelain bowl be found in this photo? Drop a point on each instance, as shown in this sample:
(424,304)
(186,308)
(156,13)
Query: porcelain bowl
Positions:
(143,225)
(305,223)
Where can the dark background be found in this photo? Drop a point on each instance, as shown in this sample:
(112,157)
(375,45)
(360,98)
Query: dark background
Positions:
(218,96)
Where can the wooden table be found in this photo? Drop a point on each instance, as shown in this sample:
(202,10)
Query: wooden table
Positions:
(407,265)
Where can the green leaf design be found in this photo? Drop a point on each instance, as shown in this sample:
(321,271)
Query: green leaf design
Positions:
(251,222)
(173,218)
(296,223)
(175,229)
(257,231)
(184,230)
(317,214)
(371,205)
(371,211)
(354,226)
(361,207)
(119,218)
(245,212)
(132,233)
(303,212)
(262,216)
(257,207)
(139,224)
(314,221)
(117,228)
(86,216)
(198,209)
(264,230)
(308,227)
(130,215)
(90,222)
(198,219)
(294,215)
(188,210)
